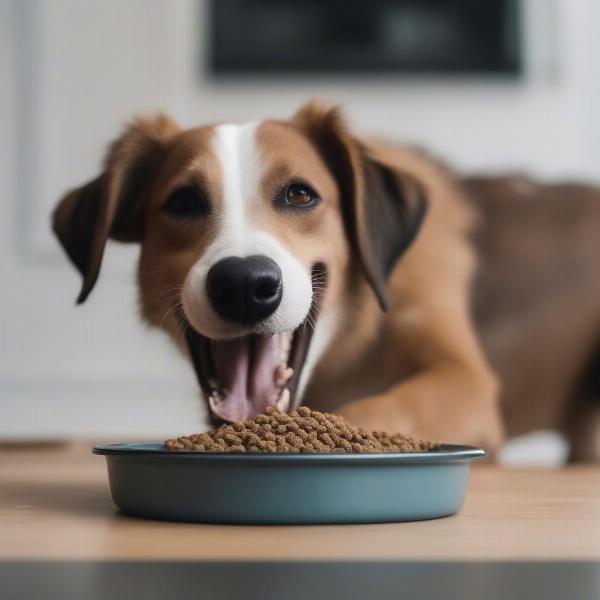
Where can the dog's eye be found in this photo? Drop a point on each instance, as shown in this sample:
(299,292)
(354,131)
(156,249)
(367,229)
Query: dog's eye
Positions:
(300,195)
(186,203)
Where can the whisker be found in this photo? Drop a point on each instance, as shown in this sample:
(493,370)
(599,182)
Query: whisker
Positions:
(170,292)
(170,311)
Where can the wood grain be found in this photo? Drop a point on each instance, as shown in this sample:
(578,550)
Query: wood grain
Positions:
(55,504)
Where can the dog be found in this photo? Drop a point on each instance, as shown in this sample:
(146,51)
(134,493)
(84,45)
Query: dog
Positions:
(294,262)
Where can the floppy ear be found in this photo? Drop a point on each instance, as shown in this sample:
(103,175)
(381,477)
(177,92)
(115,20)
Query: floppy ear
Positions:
(383,208)
(111,204)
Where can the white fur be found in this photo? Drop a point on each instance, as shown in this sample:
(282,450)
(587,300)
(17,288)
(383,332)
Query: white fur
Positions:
(325,330)
(240,234)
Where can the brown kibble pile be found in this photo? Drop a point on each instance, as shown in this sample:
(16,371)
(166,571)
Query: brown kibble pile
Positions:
(304,430)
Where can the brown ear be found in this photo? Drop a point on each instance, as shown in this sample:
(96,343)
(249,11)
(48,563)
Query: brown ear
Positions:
(383,207)
(111,204)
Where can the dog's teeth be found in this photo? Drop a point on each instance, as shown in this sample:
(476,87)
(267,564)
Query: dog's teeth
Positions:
(285,341)
(283,403)
(214,400)
(283,374)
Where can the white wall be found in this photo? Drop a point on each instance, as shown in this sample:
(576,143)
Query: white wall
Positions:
(73,71)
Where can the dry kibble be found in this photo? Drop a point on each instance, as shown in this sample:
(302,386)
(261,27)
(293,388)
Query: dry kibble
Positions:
(345,445)
(302,434)
(301,431)
(325,438)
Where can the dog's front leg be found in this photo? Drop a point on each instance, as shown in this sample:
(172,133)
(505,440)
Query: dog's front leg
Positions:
(450,403)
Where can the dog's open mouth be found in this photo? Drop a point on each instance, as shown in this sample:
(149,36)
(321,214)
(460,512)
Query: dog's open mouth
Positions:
(241,377)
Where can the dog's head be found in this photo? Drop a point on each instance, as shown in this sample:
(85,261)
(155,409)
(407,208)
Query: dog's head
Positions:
(251,236)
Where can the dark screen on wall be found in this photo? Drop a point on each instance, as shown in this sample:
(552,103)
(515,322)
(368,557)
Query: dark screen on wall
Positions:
(365,36)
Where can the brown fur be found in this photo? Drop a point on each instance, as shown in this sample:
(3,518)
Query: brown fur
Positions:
(169,250)
(421,363)
(537,303)
(314,237)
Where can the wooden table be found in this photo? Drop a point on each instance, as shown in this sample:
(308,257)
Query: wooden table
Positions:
(55,508)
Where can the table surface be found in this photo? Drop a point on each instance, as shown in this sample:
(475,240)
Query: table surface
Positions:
(55,504)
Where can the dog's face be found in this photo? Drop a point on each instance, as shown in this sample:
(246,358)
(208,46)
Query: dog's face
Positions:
(240,237)
(252,236)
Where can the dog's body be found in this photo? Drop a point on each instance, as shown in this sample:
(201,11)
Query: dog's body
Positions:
(526,257)
(536,304)
(251,232)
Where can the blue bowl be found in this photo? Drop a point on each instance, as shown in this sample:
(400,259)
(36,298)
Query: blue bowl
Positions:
(148,481)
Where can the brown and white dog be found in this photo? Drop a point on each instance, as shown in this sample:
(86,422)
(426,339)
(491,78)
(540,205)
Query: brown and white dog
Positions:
(296,264)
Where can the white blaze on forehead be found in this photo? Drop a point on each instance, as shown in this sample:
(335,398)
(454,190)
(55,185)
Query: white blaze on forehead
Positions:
(239,158)
(240,233)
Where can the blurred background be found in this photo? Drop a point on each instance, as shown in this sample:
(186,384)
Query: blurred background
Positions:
(495,86)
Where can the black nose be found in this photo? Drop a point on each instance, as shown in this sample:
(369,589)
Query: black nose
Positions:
(245,290)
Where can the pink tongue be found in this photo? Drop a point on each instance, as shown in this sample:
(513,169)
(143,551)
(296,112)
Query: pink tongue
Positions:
(245,370)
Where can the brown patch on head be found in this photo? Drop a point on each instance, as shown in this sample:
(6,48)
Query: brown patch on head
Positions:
(382,207)
(172,246)
(150,161)
(314,235)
